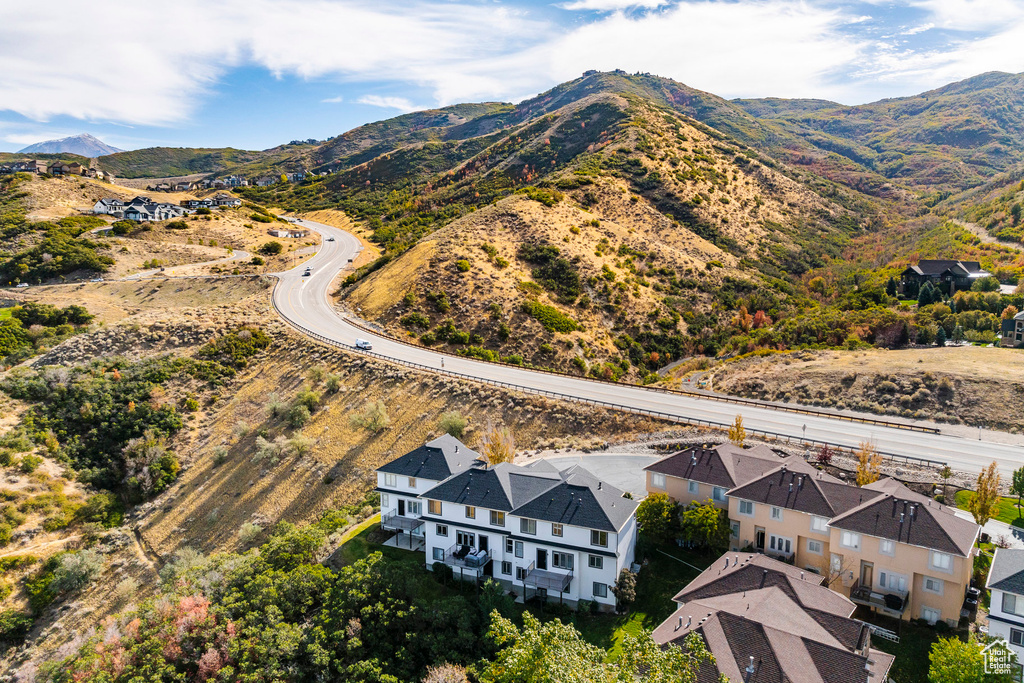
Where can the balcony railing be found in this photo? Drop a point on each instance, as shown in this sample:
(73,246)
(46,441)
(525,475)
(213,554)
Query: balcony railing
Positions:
(395,522)
(780,555)
(466,556)
(548,579)
(887,601)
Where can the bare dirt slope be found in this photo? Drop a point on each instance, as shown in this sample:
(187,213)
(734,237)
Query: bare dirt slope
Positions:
(969,384)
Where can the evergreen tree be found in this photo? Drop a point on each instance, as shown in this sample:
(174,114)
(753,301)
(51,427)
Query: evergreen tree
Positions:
(924,297)
(940,336)
(890,286)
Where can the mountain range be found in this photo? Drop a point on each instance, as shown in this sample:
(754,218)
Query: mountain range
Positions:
(84,145)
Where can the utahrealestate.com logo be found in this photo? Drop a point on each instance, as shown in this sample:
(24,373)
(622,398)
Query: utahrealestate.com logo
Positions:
(998,658)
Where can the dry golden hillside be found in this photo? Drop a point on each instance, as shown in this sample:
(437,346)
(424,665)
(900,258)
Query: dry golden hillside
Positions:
(647,235)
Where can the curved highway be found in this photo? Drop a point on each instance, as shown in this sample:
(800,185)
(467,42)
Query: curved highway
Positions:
(303,301)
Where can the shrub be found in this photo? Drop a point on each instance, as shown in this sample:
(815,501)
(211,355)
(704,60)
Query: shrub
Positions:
(298,416)
(29,463)
(220,456)
(415,319)
(374,417)
(177,225)
(76,570)
(14,625)
(275,407)
(256,261)
(308,398)
(333,384)
(123,227)
(462,265)
(453,423)
(271,248)
(550,317)
(248,532)
(104,509)
(203,211)
(260,218)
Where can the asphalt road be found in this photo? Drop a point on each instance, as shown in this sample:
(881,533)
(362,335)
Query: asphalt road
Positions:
(303,301)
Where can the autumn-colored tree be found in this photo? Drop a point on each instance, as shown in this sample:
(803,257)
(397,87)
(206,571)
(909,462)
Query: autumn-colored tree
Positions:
(446,673)
(743,319)
(737,434)
(985,503)
(761,319)
(945,473)
(1009,312)
(869,464)
(498,445)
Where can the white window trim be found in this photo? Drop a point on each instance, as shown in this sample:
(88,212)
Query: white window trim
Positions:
(926,589)
(441,530)
(560,527)
(881,546)
(739,508)
(852,546)
(692,487)
(776,513)
(824,526)
(780,538)
(595,562)
(604,586)
(658,480)
(931,562)
(390,479)
(385,501)
(821,546)
(718,494)
(937,612)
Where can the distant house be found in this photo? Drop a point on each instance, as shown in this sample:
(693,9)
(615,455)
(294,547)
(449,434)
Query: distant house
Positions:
(288,232)
(266,181)
(765,621)
(949,276)
(1013,331)
(60,169)
(184,186)
(1006,612)
(109,206)
(226,200)
(706,473)
(143,209)
(75,168)
(197,203)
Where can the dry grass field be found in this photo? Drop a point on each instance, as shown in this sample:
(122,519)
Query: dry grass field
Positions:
(969,384)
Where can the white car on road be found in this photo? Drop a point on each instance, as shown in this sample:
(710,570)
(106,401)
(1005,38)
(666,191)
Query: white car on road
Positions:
(364,345)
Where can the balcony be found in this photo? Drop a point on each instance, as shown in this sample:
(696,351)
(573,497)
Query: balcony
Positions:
(466,557)
(890,602)
(548,579)
(780,555)
(392,521)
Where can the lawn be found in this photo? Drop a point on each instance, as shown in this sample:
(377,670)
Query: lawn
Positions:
(667,571)
(5,313)
(1006,511)
(911,665)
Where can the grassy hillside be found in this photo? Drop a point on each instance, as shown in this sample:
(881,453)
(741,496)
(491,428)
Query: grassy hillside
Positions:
(165,162)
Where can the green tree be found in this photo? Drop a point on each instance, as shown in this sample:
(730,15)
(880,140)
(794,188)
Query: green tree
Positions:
(957,661)
(1017,486)
(984,504)
(924,295)
(958,334)
(940,336)
(658,518)
(705,525)
(890,286)
(625,589)
(453,423)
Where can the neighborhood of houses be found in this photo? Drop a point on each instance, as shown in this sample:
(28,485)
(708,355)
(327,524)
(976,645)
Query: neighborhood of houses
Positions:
(806,551)
(143,209)
(228,182)
(54,168)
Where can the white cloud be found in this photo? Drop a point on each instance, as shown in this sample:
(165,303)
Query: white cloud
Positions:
(333,100)
(612,5)
(972,15)
(399,103)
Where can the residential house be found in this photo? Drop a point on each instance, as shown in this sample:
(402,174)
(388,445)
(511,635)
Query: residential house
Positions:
(109,206)
(707,472)
(143,209)
(950,276)
(221,199)
(266,181)
(1006,610)
(765,621)
(206,203)
(1013,331)
(59,168)
(288,232)
(183,186)
(75,168)
(540,531)
(886,547)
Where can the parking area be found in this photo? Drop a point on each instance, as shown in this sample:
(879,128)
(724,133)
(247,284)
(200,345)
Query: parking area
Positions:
(621,470)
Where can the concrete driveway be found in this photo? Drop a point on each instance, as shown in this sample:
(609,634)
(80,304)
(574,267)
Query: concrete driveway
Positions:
(621,470)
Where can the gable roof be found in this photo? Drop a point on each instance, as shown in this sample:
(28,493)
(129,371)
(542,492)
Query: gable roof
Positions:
(580,499)
(772,627)
(940,266)
(723,465)
(1007,571)
(904,516)
(796,485)
(435,460)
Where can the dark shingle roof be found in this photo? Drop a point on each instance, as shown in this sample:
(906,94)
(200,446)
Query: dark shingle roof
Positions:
(580,499)
(906,517)
(798,486)
(1007,572)
(435,461)
(723,465)
(939,266)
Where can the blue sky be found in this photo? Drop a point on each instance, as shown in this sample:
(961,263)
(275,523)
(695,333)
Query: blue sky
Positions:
(256,73)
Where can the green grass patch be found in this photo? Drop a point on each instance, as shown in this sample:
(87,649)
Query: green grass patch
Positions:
(1006,510)
(911,665)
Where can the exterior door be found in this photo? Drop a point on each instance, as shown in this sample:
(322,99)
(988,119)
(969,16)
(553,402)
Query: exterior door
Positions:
(482,543)
(867,574)
(401,507)
(759,538)
(542,558)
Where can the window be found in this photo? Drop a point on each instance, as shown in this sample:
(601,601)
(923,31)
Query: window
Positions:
(780,544)
(811,568)
(520,573)
(600,590)
(887,547)
(528,526)
(599,538)
(819,524)
(657,480)
(1010,604)
(848,539)
(390,480)
(747,508)
(776,513)
(415,507)
(506,568)
(442,529)
(556,530)
(470,512)
(815,547)
(385,501)
(718,493)
(508,546)
(893,582)
(693,487)
(412,482)
(930,615)
(595,562)
(932,585)
(465,538)
(734,529)
(1016,637)
(434,507)
(438,554)
(562,560)
(519,549)
(836,563)
(941,561)
(497,518)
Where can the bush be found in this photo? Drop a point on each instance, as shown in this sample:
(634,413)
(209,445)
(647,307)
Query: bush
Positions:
(177,225)
(373,417)
(332,384)
(550,317)
(14,625)
(308,398)
(123,227)
(76,570)
(30,463)
(203,211)
(260,218)
(462,265)
(248,532)
(256,261)
(271,248)
(453,423)
(298,416)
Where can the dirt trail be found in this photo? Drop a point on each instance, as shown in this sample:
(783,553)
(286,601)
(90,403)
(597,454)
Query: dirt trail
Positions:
(25,550)
(983,234)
